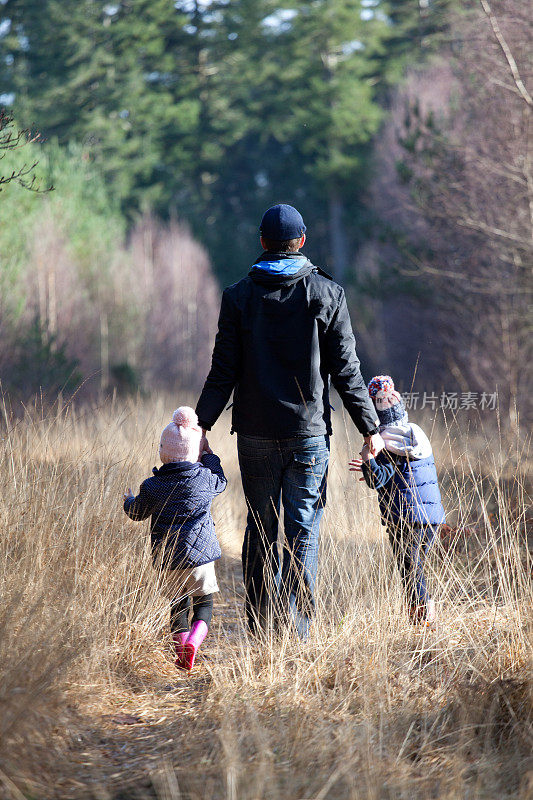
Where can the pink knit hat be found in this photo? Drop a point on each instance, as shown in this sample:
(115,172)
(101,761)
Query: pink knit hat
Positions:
(180,440)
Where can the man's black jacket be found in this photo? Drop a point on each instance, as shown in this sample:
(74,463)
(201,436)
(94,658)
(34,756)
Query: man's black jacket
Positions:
(280,338)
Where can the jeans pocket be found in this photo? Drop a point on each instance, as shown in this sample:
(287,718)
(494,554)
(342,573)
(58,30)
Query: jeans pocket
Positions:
(254,465)
(310,460)
(311,465)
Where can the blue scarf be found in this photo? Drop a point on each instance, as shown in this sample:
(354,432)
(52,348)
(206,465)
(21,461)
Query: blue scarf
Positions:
(393,414)
(282,266)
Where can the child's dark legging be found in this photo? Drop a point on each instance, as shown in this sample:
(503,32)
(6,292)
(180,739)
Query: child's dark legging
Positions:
(410,544)
(202,609)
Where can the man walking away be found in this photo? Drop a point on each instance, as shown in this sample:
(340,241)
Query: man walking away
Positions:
(284,331)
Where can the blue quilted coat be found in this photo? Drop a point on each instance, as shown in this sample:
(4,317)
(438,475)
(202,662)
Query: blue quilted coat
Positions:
(408,490)
(178,498)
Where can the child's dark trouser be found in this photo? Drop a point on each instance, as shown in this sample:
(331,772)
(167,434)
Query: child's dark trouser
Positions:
(410,544)
(202,609)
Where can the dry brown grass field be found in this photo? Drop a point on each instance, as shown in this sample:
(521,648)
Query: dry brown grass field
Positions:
(370,708)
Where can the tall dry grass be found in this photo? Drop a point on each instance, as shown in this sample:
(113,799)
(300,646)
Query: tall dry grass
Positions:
(369,707)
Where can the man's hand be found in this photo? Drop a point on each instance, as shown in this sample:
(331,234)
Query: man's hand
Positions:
(128,494)
(204,446)
(375,443)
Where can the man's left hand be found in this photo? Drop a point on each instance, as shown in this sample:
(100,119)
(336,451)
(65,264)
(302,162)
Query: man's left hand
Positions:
(375,443)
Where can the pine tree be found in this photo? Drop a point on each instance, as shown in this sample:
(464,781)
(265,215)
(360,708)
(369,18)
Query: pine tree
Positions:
(104,75)
(213,111)
(319,113)
(416,30)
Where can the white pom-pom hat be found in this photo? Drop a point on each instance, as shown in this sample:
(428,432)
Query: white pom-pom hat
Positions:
(180,440)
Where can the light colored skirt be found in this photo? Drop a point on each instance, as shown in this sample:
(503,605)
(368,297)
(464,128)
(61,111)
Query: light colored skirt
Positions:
(178,583)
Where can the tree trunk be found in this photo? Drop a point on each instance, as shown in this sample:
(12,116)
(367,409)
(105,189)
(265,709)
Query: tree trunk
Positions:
(337,238)
(104,351)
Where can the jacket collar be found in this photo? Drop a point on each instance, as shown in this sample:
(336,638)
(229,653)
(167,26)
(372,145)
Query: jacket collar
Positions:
(174,467)
(270,279)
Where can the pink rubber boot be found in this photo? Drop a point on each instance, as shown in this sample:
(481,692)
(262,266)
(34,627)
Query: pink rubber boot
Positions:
(190,648)
(179,640)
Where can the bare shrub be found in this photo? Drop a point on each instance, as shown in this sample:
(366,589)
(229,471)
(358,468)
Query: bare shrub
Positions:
(142,318)
(173,283)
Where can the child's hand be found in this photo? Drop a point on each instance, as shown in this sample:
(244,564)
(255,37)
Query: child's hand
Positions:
(356,465)
(128,494)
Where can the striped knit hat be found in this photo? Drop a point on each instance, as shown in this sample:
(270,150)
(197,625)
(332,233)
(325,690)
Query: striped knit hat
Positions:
(388,402)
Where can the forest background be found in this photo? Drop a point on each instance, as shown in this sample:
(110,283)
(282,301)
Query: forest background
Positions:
(400,129)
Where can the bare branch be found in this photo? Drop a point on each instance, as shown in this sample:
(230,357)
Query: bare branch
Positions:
(497,233)
(507,53)
(506,86)
(13,138)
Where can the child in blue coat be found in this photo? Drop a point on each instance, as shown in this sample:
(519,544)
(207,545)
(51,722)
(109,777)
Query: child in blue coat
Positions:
(184,544)
(405,477)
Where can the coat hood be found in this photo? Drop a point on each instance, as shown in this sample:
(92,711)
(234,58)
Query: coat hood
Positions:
(278,269)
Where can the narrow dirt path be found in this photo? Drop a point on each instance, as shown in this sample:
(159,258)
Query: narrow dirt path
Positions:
(122,739)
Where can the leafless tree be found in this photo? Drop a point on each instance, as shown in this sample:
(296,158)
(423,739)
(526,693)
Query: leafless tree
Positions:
(13,138)
(144,317)
(179,296)
(462,196)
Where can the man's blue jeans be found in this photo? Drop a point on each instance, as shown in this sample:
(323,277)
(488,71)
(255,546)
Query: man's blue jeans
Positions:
(292,472)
